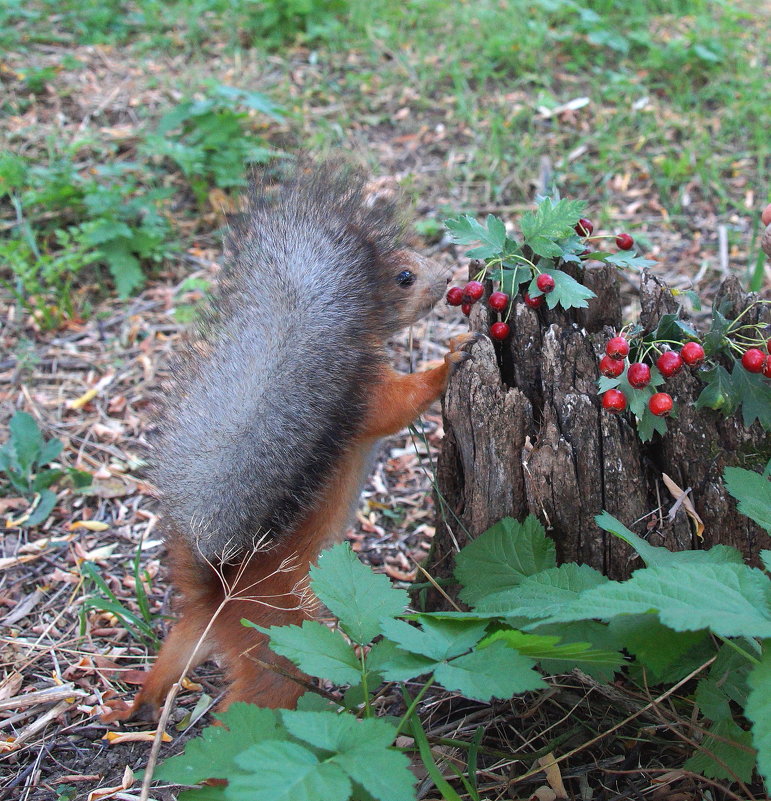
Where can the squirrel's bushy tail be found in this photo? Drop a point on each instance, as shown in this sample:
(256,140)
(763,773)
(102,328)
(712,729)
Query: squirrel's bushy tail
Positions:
(269,392)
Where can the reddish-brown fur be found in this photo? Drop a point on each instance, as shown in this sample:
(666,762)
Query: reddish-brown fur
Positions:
(269,587)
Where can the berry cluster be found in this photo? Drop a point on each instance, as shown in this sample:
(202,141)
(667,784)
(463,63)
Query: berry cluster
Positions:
(500,302)
(614,364)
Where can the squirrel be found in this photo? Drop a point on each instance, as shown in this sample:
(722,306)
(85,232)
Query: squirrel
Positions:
(275,407)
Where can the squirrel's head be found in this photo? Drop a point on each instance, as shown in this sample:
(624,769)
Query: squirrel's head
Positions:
(419,283)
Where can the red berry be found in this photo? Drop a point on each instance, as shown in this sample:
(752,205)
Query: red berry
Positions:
(473,291)
(533,303)
(624,242)
(669,363)
(754,360)
(611,367)
(614,401)
(466,309)
(455,296)
(767,368)
(498,301)
(692,353)
(499,331)
(545,283)
(660,404)
(584,227)
(639,375)
(617,348)
(768,345)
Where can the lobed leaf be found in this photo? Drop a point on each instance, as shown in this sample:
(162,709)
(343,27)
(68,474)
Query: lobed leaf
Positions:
(502,556)
(753,492)
(758,710)
(357,596)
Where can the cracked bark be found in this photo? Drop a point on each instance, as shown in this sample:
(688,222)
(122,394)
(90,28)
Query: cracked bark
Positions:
(525,434)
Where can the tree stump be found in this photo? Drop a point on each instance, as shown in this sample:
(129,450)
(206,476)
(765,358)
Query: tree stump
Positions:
(525,434)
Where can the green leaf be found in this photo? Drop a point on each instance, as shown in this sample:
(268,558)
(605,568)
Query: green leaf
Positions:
(362,748)
(493,672)
(50,451)
(283,771)
(629,260)
(758,711)
(753,492)
(654,555)
(654,645)
(26,439)
(542,594)
(43,509)
(754,393)
(650,423)
(437,639)
(211,755)
(551,220)
(393,664)
(124,268)
(715,339)
(502,556)
(567,292)
(728,599)
(719,393)
(765,557)
(670,327)
(726,752)
(357,596)
(465,229)
(45,478)
(510,279)
(315,649)
(548,648)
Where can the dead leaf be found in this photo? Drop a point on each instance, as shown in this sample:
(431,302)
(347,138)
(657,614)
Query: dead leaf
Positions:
(683,497)
(116,737)
(553,775)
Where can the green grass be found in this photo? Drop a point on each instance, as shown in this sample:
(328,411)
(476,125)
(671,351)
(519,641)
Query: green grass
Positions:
(678,97)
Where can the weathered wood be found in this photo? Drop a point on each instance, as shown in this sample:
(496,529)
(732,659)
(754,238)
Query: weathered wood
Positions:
(525,433)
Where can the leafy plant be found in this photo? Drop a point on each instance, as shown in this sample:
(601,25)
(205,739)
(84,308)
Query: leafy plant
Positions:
(682,613)
(207,140)
(24,460)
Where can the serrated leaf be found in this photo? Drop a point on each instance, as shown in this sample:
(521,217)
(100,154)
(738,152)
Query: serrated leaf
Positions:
(362,748)
(670,327)
(753,392)
(728,599)
(393,664)
(714,339)
(124,268)
(511,279)
(628,259)
(654,555)
(540,595)
(654,645)
(284,771)
(567,292)
(502,556)
(548,648)
(719,393)
(650,423)
(437,639)
(551,220)
(465,229)
(758,711)
(545,247)
(753,492)
(493,672)
(211,756)
(726,752)
(315,649)
(357,596)
(765,558)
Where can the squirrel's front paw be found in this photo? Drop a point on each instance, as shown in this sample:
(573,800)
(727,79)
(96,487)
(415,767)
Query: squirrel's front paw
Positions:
(459,348)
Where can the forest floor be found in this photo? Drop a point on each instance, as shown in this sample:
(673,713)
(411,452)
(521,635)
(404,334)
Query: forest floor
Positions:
(123,146)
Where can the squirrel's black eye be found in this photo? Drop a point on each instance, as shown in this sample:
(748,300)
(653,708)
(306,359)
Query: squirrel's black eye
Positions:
(406,278)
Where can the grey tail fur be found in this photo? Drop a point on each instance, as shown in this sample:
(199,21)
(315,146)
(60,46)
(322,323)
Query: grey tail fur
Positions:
(269,392)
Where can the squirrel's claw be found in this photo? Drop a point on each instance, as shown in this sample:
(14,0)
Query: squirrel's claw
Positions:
(458,348)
